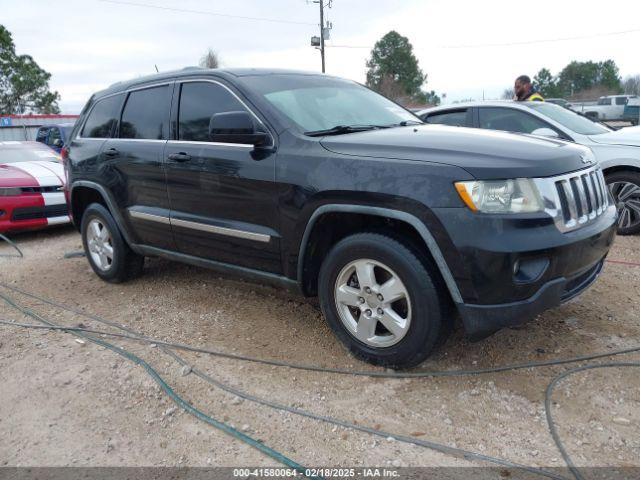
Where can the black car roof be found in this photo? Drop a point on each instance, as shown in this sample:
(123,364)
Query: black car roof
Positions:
(190,71)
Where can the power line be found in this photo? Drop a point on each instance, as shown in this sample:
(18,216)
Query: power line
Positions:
(509,44)
(348,46)
(548,40)
(204,12)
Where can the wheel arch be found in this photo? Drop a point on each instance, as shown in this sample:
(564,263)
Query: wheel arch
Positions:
(621,168)
(306,272)
(83,193)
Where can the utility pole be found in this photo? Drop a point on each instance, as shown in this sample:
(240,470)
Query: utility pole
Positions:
(318,42)
(321,2)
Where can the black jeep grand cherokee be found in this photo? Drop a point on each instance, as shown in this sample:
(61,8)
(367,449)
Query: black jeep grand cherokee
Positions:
(320,185)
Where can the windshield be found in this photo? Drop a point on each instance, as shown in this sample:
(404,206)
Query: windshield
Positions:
(314,102)
(569,119)
(13,152)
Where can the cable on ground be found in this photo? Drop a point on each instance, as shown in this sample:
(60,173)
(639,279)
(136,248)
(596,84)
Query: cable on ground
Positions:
(11,255)
(177,399)
(427,444)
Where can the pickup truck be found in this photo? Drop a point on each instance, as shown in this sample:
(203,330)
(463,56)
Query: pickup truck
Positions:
(632,111)
(319,185)
(606,109)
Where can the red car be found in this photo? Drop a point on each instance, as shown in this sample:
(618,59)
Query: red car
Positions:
(31,187)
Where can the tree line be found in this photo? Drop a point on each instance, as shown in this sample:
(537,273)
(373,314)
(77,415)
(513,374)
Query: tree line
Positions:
(24,86)
(584,80)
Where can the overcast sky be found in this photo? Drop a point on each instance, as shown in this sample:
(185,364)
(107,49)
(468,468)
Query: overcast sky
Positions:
(89,44)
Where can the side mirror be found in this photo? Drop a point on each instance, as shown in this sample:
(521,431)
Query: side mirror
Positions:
(58,143)
(236,127)
(545,132)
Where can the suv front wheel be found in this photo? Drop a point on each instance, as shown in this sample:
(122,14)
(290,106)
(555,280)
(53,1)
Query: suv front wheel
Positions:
(108,254)
(381,300)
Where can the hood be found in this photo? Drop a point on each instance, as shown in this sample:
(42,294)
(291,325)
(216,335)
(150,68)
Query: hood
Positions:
(31,174)
(629,136)
(485,154)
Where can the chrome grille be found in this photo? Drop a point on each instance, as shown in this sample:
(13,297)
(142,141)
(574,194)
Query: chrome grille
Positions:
(575,199)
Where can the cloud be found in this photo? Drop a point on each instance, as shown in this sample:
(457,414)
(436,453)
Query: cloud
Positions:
(90,44)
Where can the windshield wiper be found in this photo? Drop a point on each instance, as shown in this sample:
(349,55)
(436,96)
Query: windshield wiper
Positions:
(341,129)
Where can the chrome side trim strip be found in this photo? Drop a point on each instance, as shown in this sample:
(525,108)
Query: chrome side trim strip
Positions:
(150,140)
(230,232)
(203,227)
(150,217)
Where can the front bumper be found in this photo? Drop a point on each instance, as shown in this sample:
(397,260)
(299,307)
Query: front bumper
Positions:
(32,212)
(482,320)
(552,267)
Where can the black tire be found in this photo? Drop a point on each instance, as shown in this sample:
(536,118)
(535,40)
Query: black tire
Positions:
(125,264)
(627,177)
(426,300)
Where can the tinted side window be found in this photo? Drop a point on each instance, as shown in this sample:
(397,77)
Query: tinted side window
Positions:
(102,118)
(456,118)
(41,136)
(604,101)
(54,134)
(146,114)
(621,100)
(198,101)
(509,120)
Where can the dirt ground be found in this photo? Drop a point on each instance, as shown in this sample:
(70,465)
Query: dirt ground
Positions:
(63,403)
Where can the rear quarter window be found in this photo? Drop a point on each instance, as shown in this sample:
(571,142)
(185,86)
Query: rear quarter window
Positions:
(102,117)
(456,118)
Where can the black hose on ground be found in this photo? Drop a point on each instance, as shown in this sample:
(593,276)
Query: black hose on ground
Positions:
(11,255)
(432,445)
(547,407)
(181,402)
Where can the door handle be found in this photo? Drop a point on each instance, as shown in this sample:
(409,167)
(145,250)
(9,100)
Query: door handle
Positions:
(180,157)
(112,152)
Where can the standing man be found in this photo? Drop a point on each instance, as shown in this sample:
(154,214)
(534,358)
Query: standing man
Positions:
(525,92)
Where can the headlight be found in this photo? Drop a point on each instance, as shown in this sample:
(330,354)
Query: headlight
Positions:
(501,196)
(10,192)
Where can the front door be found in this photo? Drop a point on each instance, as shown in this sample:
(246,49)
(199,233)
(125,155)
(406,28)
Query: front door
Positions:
(223,196)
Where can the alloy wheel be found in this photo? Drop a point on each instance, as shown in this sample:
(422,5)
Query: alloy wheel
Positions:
(627,198)
(100,244)
(373,303)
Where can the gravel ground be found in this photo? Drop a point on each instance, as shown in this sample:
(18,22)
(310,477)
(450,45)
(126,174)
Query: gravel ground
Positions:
(63,403)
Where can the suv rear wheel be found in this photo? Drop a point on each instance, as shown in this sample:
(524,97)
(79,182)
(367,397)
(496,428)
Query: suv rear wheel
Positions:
(108,254)
(380,300)
(625,190)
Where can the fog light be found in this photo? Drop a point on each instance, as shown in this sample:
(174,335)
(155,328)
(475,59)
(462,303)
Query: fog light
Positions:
(529,270)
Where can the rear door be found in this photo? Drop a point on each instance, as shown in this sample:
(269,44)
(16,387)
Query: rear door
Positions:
(223,195)
(132,164)
(85,148)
